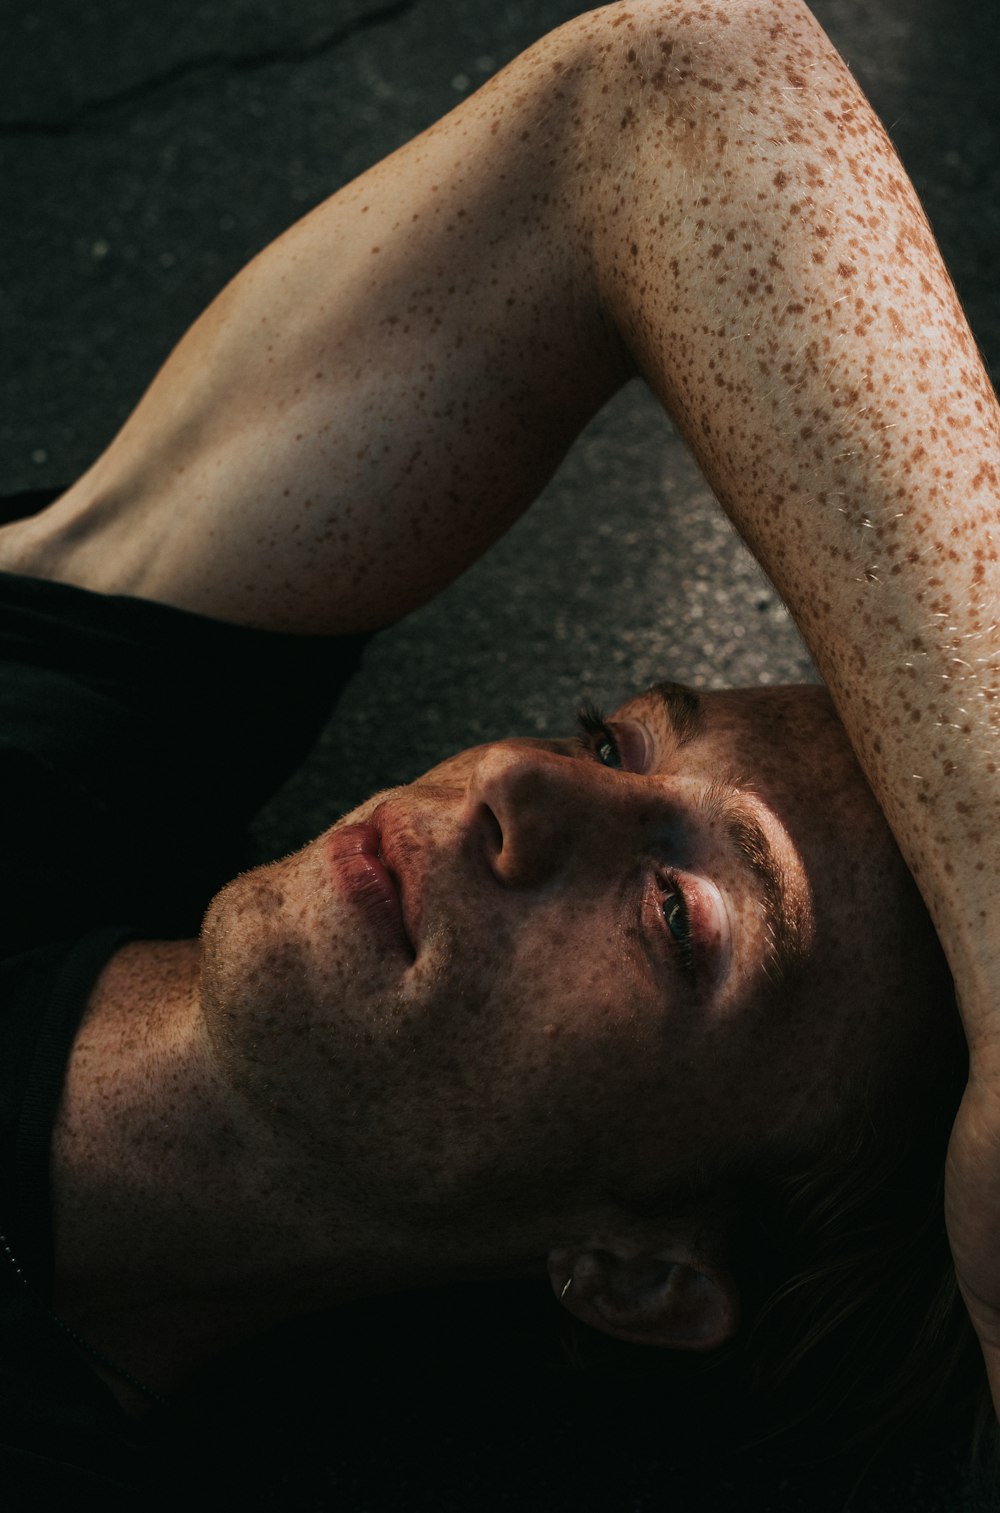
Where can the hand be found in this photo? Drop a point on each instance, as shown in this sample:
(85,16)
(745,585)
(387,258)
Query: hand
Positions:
(972,1209)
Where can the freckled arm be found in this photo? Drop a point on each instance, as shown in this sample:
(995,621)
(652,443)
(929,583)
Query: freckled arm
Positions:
(773,274)
(771,271)
(378,395)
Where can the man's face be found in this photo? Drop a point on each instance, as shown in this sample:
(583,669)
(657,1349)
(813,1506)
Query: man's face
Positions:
(551,973)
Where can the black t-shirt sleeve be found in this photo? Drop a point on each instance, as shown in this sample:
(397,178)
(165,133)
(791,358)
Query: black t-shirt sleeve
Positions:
(136,741)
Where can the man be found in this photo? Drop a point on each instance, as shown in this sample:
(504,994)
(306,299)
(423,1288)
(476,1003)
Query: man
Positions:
(601,984)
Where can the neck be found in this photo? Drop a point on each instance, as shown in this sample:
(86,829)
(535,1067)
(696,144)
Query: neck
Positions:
(183,1222)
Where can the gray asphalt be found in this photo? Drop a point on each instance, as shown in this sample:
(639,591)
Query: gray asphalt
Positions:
(146,152)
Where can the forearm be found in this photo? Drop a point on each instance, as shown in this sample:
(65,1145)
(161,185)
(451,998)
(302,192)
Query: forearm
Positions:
(773,274)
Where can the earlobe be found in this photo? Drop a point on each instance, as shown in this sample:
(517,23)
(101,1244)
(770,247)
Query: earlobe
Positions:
(680,1309)
(675,1302)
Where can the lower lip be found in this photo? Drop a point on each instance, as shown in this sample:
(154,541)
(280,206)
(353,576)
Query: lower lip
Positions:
(362,878)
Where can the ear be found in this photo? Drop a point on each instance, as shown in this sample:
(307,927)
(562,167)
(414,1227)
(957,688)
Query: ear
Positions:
(665,1289)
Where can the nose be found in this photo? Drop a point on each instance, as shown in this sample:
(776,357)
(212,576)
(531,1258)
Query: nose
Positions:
(530,810)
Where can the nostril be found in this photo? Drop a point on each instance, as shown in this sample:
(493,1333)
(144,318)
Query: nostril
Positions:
(515,812)
(491,832)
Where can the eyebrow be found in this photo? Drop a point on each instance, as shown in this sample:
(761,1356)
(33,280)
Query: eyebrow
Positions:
(783,918)
(683,709)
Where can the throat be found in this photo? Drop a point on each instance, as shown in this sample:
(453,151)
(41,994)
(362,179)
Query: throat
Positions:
(182,1223)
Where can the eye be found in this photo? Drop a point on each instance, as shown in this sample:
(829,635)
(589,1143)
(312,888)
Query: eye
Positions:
(675,912)
(597,737)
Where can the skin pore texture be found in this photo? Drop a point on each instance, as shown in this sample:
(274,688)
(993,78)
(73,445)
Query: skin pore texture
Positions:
(697,193)
(299,1114)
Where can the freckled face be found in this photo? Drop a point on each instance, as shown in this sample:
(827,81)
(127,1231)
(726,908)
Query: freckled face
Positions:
(623,962)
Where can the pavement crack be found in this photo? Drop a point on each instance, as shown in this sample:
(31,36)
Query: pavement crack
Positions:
(92,113)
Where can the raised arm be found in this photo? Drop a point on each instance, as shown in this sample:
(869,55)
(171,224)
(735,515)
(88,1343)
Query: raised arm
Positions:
(771,270)
(378,395)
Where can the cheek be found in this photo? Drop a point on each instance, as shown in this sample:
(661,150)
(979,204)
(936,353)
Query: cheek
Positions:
(571,971)
(577,1030)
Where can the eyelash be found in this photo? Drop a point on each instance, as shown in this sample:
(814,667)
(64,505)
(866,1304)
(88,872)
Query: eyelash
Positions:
(594,736)
(684,942)
(595,733)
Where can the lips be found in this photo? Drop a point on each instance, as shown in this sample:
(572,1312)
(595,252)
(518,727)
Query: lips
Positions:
(358,866)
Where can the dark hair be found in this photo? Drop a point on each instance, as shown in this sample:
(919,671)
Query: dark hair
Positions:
(854,1332)
(854,1316)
